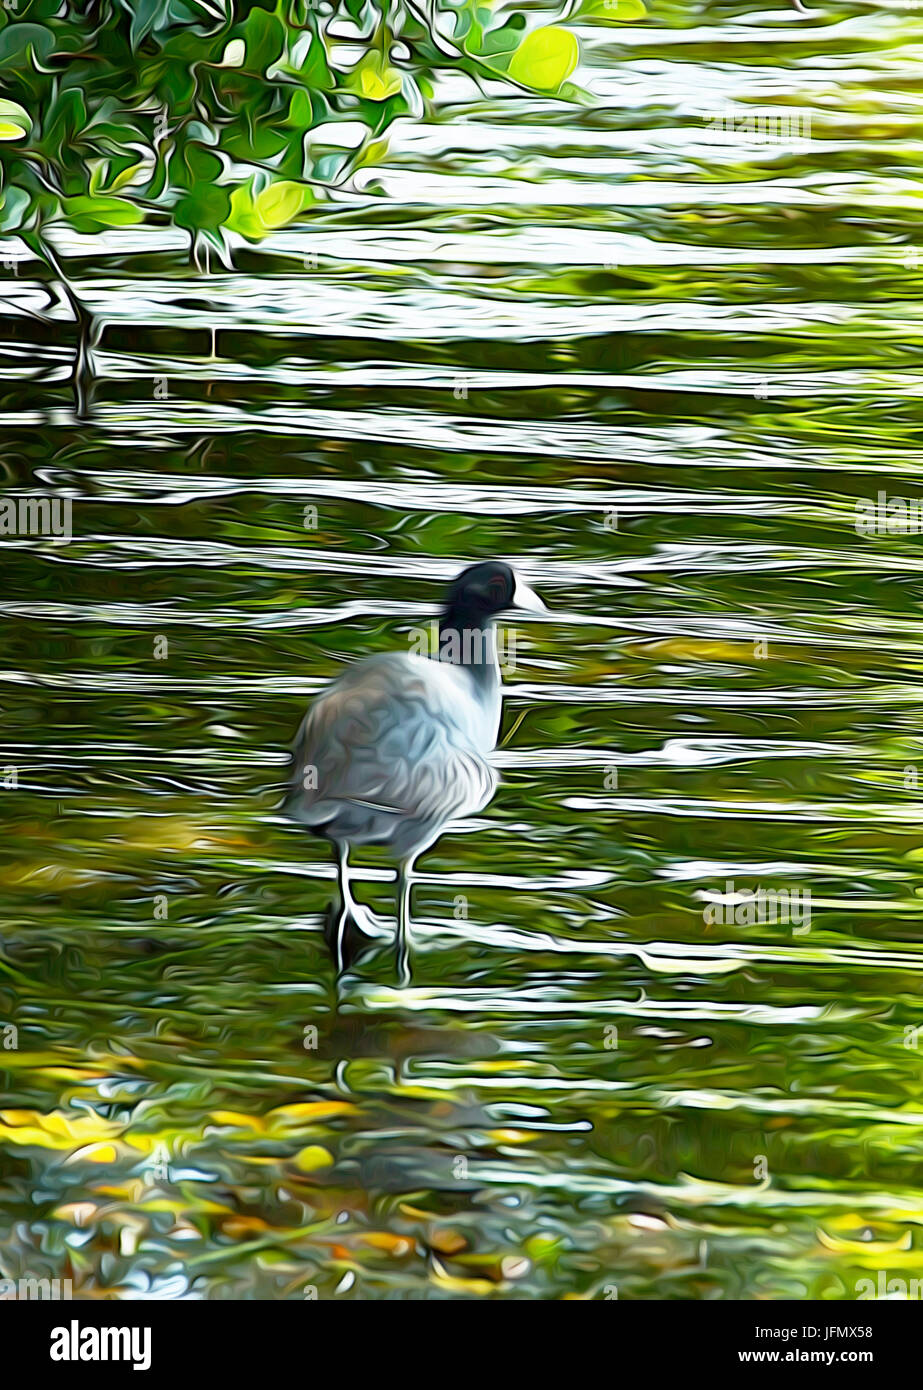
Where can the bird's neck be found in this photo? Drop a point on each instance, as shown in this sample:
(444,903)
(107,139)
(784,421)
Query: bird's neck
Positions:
(468,640)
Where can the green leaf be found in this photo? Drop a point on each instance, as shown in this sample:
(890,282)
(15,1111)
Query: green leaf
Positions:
(198,167)
(300,111)
(309,63)
(125,175)
(15,121)
(146,14)
(64,121)
(545,58)
(282,202)
(264,36)
(375,79)
(20,43)
(14,204)
(203,209)
(255,144)
(504,39)
(235,54)
(243,217)
(329,167)
(89,215)
(256,215)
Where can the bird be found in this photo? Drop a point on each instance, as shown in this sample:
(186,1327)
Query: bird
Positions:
(399,745)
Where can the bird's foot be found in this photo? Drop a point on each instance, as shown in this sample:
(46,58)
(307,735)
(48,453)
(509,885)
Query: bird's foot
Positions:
(348,931)
(367,922)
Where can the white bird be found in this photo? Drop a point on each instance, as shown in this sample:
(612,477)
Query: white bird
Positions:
(399,744)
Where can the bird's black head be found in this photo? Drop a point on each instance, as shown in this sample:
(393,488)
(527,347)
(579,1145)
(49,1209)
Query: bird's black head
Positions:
(481,592)
(475,599)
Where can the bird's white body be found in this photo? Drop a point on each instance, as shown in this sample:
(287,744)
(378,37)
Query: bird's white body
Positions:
(400,745)
(394,749)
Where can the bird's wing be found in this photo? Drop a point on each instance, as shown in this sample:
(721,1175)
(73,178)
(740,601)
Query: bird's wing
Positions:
(383,737)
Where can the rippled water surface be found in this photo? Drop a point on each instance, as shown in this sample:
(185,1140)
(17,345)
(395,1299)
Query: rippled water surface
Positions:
(655,368)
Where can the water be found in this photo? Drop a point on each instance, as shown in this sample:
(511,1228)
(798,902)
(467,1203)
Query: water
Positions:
(655,370)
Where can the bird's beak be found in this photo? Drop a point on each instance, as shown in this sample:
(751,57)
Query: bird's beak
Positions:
(526,600)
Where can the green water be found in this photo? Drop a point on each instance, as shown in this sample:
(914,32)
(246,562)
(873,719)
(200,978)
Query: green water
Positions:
(655,371)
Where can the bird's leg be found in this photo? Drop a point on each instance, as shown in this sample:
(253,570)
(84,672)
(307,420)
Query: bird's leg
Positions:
(357,914)
(346,902)
(403,922)
(349,926)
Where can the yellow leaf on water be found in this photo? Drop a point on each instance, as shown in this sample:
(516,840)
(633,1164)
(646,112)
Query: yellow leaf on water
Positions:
(844,1246)
(242,1226)
(54,1130)
(94,1153)
(69,1073)
(178,1205)
(454,1284)
(309,1110)
(414,1213)
(41,876)
(696,649)
(511,1136)
(237,1120)
(309,1159)
(447,1241)
(132,1191)
(384,1240)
